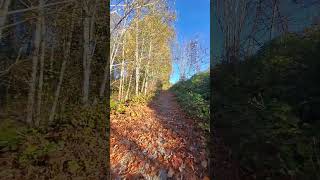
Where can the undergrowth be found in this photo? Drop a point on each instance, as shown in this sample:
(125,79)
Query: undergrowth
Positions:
(194,97)
(120,107)
(75,147)
(267,108)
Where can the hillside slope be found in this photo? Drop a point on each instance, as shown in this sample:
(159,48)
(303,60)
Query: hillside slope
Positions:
(267,108)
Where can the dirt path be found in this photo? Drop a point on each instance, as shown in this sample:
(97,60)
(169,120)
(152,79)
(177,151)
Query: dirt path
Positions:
(157,141)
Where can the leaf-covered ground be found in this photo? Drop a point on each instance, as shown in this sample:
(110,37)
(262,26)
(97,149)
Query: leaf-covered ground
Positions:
(157,141)
(74,149)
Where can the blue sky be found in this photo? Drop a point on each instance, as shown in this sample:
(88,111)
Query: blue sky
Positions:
(193,18)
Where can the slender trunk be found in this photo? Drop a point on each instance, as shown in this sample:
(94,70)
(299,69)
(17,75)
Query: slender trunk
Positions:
(147,69)
(114,51)
(107,72)
(129,86)
(42,56)
(62,71)
(122,88)
(88,47)
(57,92)
(104,82)
(4,6)
(274,4)
(51,57)
(52,49)
(121,80)
(32,82)
(137,56)
(86,60)
(121,72)
(138,68)
(146,87)
(143,83)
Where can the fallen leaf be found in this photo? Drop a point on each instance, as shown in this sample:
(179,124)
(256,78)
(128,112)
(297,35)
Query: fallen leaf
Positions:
(206,178)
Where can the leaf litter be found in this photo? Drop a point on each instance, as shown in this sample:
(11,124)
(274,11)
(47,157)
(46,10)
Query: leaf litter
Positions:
(161,142)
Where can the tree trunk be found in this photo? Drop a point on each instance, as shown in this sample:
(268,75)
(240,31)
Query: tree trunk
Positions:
(146,87)
(32,82)
(52,49)
(107,71)
(122,89)
(147,69)
(4,6)
(137,70)
(88,51)
(129,86)
(114,51)
(51,58)
(274,5)
(121,80)
(42,56)
(121,73)
(143,83)
(86,65)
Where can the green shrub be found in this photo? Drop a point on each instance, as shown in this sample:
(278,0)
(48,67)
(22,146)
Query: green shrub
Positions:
(193,96)
(257,103)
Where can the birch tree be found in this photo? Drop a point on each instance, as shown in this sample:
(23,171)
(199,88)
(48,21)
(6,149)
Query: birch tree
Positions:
(146,34)
(35,59)
(89,9)
(4,6)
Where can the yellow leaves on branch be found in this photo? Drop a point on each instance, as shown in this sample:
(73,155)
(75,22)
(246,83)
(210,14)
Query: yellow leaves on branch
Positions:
(152,29)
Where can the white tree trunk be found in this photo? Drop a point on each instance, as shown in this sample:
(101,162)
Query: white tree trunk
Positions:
(107,73)
(86,65)
(114,51)
(137,69)
(88,47)
(129,86)
(33,80)
(122,72)
(42,56)
(147,69)
(4,6)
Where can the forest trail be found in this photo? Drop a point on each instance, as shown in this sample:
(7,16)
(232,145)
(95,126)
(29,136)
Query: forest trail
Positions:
(157,141)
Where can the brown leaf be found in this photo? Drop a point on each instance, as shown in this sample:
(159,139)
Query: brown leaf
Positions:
(206,178)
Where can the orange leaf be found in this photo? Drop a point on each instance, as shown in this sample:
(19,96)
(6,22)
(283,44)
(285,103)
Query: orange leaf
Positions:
(206,178)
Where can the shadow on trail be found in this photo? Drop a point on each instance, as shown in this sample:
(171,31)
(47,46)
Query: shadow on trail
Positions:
(162,142)
(137,154)
(191,139)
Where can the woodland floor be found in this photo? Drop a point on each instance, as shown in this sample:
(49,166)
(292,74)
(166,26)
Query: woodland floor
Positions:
(157,141)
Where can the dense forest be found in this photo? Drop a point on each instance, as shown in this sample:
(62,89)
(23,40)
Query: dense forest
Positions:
(53,89)
(140,48)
